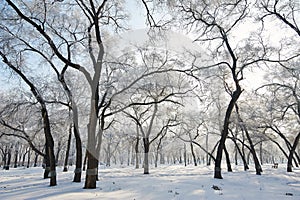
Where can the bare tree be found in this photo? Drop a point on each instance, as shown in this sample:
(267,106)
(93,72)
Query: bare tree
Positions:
(50,157)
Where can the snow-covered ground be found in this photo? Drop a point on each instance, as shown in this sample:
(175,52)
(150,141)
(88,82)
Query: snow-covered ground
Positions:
(164,182)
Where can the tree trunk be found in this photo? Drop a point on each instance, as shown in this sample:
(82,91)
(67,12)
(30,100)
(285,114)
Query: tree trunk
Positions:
(238,150)
(146,155)
(68,149)
(16,157)
(261,152)
(108,153)
(84,161)
(206,146)
(229,169)
(255,158)
(28,158)
(23,158)
(46,163)
(36,160)
(78,171)
(224,132)
(128,154)
(193,154)
(291,155)
(156,157)
(184,155)
(252,148)
(246,167)
(137,152)
(91,172)
(57,153)
(132,154)
(5,156)
(44,113)
(7,164)
(92,153)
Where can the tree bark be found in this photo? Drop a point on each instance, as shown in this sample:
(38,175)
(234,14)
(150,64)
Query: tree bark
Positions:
(193,154)
(91,172)
(68,150)
(146,155)
(28,158)
(229,169)
(36,159)
(224,132)
(246,167)
(291,155)
(252,148)
(16,156)
(44,113)
(78,171)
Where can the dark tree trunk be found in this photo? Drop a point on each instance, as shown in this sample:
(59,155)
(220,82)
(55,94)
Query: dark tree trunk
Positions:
(291,155)
(46,163)
(246,167)
(128,155)
(206,146)
(193,154)
(84,161)
(44,113)
(16,157)
(77,175)
(261,152)
(7,164)
(5,153)
(242,154)
(158,149)
(91,172)
(229,169)
(68,150)
(252,149)
(236,94)
(28,158)
(146,155)
(185,155)
(36,159)
(137,149)
(23,159)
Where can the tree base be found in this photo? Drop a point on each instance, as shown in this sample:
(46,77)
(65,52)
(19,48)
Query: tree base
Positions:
(218,174)
(77,178)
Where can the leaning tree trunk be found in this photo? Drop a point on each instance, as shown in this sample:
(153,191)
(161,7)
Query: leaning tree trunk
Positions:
(229,169)
(224,132)
(193,154)
(46,123)
(50,147)
(252,148)
(291,155)
(246,167)
(255,158)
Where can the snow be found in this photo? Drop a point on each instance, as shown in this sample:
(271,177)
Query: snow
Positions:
(165,182)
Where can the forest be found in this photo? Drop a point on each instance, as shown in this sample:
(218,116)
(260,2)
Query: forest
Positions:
(213,83)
